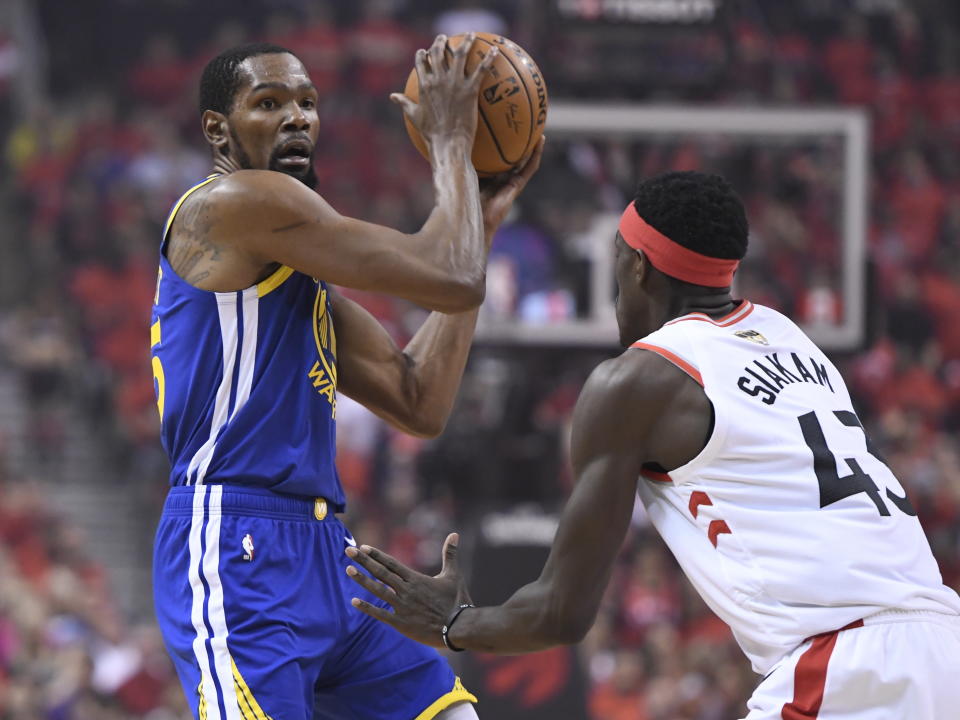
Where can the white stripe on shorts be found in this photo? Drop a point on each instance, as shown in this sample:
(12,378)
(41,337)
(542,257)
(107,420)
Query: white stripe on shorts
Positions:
(196,610)
(218,618)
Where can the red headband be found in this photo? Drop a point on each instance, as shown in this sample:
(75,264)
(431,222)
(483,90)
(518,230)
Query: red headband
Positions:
(671,258)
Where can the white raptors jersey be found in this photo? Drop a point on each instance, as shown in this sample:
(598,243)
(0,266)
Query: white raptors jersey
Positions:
(788,523)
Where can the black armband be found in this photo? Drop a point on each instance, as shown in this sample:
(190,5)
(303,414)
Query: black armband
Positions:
(445,632)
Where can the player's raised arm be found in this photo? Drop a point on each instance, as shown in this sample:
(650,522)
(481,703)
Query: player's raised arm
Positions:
(614,431)
(414,388)
(265,218)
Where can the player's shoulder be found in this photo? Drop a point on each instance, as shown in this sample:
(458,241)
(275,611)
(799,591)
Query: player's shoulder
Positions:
(623,401)
(216,194)
(242,188)
(246,203)
(619,373)
(636,378)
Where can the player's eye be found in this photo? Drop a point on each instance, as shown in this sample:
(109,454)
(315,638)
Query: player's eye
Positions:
(268,103)
(308,103)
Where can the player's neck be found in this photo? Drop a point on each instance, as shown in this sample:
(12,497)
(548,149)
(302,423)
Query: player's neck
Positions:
(225,164)
(714,303)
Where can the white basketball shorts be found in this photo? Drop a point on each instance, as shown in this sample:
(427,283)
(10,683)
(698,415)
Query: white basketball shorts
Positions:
(896,665)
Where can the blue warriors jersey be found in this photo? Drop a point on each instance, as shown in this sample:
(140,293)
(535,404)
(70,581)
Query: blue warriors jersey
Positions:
(246,381)
(250,582)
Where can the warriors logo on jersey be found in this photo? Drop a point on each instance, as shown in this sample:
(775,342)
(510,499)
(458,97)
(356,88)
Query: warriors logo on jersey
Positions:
(323,374)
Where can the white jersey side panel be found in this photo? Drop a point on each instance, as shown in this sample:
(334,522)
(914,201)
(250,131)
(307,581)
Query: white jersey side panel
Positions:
(788,523)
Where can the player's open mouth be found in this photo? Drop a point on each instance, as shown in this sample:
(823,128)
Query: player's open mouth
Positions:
(294,154)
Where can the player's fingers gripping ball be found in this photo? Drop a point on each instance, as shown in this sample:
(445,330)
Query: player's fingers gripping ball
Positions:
(512,105)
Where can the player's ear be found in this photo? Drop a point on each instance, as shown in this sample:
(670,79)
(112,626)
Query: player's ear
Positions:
(641,265)
(216,131)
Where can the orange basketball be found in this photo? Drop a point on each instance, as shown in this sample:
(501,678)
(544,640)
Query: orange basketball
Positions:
(513,105)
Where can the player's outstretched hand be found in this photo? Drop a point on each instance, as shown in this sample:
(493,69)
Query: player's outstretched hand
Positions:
(421,604)
(497,194)
(448,96)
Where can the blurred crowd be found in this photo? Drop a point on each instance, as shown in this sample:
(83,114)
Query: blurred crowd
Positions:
(65,650)
(111,138)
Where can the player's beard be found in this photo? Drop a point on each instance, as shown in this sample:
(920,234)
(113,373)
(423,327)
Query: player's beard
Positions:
(309,178)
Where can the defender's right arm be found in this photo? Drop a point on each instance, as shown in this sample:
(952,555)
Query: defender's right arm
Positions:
(634,409)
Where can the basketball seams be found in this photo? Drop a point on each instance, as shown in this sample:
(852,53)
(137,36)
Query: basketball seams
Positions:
(496,142)
(448,53)
(486,120)
(526,91)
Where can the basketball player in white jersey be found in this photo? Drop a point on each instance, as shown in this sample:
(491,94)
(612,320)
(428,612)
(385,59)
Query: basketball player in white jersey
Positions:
(739,435)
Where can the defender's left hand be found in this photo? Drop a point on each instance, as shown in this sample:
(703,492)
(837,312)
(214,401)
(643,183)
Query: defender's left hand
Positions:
(421,604)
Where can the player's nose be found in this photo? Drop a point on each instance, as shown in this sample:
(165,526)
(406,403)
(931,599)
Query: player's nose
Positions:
(296,119)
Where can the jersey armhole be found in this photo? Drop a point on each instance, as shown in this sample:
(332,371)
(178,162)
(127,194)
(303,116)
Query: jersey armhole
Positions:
(176,208)
(657,473)
(261,289)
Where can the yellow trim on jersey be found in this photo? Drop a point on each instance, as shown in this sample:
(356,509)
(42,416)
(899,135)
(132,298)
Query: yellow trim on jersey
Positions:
(276,279)
(333,341)
(249,707)
(161,379)
(155,334)
(458,694)
(188,193)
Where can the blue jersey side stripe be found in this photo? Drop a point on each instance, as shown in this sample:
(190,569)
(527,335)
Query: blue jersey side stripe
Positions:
(227,313)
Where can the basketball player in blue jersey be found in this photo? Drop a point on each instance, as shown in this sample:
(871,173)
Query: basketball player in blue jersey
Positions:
(250,347)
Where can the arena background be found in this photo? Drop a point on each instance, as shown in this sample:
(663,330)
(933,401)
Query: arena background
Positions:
(99,133)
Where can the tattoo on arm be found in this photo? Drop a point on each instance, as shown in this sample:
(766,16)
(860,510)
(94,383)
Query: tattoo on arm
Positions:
(187,264)
(193,247)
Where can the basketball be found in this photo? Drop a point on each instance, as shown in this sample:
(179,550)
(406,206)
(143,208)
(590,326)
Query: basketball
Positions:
(513,105)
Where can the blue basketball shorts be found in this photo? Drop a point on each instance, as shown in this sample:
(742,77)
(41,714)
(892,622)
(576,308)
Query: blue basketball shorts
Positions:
(253,601)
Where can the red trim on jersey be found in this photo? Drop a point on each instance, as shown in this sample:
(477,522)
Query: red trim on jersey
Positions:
(810,676)
(672,357)
(656,476)
(715,528)
(670,257)
(698,498)
(745,307)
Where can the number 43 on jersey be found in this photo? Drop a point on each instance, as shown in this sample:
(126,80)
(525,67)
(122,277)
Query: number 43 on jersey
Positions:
(833,486)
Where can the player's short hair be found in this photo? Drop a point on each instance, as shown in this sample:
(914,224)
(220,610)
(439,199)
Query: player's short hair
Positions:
(696,210)
(222,77)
